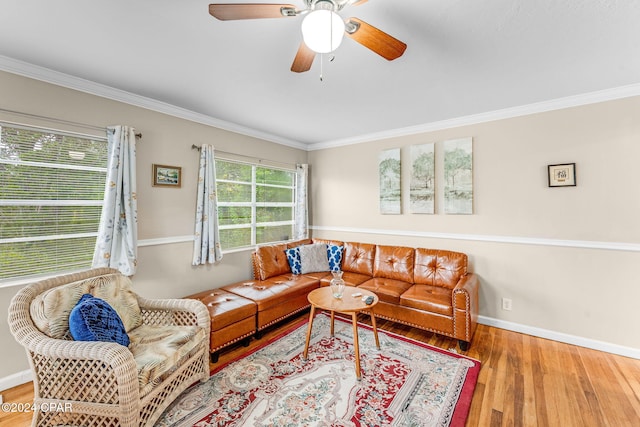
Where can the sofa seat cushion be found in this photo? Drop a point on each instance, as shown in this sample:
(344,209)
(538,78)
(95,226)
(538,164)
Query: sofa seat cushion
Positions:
(225,308)
(434,299)
(322,276)
(388,290)
(274,291)
(158,350)
(353,279)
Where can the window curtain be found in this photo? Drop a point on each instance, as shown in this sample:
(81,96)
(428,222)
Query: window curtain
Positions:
(206,245)
(301,227)
(117,242)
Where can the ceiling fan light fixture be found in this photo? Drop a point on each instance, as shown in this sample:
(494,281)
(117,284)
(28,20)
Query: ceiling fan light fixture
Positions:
(322,30)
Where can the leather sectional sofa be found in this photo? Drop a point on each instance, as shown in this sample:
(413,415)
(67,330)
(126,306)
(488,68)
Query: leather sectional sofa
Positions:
(424,288)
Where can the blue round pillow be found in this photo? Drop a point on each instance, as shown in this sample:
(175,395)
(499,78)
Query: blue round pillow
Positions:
(93,319)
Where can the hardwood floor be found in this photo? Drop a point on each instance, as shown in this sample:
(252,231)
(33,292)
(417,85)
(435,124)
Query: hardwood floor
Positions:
(524,381)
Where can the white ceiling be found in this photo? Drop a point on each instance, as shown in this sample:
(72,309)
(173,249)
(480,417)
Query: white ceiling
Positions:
(464,58)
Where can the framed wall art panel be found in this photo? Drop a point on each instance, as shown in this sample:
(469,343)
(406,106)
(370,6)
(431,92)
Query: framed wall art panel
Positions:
(167,176)
(389,177)
(423,179)
(458,176)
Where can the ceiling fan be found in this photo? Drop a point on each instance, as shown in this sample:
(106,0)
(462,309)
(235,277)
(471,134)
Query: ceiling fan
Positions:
(322,27)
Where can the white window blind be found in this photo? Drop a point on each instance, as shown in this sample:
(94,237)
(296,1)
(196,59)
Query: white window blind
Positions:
(256,204)
(51,195)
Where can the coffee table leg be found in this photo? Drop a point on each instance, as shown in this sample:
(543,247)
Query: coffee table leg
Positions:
(356,345)
(375,328)
(306,344)
(333,315)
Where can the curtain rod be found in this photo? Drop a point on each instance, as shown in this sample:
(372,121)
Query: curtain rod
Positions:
(198,147)
(61,121)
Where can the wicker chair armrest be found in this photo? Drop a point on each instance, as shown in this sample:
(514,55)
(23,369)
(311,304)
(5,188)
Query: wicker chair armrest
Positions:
(61,361)
(179,312)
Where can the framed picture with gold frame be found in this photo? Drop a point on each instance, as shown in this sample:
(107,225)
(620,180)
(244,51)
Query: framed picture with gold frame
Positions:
(167,176)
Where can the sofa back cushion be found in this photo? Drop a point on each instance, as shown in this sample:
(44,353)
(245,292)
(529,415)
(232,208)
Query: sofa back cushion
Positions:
(358,258)
(394,262)
(297,243)
(329,242)
(439,268)
(270,261)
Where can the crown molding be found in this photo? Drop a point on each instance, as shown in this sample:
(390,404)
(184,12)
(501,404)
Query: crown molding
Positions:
(47,75)
(490,116)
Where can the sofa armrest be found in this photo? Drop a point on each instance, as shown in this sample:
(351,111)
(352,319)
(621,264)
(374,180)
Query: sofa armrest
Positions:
(466,292)
(465,305)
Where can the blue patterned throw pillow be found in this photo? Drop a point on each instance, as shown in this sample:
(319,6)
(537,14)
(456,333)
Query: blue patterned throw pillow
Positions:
(293,257)
(334,253)
(93,319)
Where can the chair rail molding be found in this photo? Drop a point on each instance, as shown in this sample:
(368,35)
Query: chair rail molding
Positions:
(521,240)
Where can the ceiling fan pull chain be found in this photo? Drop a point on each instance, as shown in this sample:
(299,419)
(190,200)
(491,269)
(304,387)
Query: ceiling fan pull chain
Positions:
(321,67)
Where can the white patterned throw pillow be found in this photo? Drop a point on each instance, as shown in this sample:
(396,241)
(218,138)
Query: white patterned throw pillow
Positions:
(314,258)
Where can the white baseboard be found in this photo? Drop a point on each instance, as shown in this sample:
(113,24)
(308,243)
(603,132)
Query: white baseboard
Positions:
(561,337)
(15,380)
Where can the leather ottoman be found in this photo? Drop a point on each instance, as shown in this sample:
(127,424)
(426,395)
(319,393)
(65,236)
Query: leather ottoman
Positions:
(233,318)
(276,298)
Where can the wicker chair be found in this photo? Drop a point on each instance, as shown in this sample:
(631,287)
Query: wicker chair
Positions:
(98,384)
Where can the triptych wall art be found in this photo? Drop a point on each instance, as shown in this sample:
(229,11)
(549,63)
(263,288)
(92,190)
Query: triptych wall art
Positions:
(422,188)
(458,176)
(452,162)
(389,173)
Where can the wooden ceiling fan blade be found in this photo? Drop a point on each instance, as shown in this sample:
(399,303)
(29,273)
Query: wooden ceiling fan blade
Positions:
(303,60)
(375,39)
(228,12)
(359,2)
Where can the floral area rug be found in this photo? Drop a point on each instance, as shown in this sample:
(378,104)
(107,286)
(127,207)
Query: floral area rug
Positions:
(405,383)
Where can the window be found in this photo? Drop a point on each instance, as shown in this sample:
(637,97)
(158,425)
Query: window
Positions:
(255,204)
(51,195)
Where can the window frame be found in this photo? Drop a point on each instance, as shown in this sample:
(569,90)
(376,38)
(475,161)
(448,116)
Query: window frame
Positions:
(34,273)
(254,204)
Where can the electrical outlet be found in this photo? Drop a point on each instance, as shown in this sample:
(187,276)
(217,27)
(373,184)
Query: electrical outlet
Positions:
(506,304)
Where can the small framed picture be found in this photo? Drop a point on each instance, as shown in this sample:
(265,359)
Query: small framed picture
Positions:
(563,175)
(167,176)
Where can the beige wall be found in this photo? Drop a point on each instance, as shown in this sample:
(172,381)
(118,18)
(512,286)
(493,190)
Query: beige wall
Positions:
(163,213)
(589,293)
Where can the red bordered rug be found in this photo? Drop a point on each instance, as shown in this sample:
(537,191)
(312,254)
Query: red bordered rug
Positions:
(405,383)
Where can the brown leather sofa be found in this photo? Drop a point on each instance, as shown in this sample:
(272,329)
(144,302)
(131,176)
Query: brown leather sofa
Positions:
(424,288)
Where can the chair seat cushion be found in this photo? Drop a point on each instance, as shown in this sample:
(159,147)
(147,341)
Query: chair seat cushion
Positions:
(158,350)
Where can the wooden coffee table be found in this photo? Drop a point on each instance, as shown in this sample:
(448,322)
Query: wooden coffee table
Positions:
(323,299)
